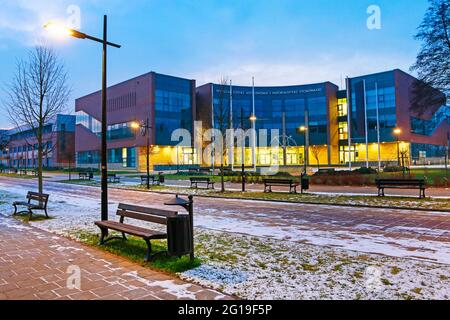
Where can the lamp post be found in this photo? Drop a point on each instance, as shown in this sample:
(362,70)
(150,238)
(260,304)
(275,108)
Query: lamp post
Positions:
(243,150)
(145,127)
(303,130)
(64,31)
(397,132)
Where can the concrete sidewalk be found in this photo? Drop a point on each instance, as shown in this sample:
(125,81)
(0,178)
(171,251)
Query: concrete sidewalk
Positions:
(35,264)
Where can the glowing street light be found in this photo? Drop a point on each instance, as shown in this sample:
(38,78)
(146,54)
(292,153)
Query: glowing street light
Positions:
(145,128)
(303,130)
(397,132)
(61,30)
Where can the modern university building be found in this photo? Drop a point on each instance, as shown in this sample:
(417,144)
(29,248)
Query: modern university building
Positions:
(369,122)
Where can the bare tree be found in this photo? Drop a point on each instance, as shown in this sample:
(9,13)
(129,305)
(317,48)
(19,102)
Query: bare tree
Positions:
(433,63)
(222,123)
(36,94)
(315,150)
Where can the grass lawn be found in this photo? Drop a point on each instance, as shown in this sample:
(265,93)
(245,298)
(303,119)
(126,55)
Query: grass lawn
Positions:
(15,175)
(25,217)
(383,202)
(134,249)
(81,182)
(351,200)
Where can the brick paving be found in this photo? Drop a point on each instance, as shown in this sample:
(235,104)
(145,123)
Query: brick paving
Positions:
(34,264)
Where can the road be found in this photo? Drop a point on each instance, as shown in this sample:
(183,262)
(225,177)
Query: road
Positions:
(401,233)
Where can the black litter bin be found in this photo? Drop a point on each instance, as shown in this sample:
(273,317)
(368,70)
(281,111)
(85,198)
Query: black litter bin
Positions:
(305,183)
(179,235)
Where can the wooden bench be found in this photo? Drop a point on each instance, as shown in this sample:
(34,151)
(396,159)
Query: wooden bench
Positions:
(113,178)
(154,179)
(195,181)
(401,184)
(269,183)
(154,215)
(36,201)
(85,175)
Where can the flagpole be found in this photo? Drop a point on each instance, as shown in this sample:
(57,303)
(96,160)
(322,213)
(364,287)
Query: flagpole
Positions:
(212,126)
(366,126)
(349,130)
(378,127)
(231,126)
(253,125)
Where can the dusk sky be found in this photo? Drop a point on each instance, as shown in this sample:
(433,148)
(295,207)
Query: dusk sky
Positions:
(278,42)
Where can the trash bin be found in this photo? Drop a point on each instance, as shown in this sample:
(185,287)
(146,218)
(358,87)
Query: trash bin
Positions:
(179,235)
(305,183)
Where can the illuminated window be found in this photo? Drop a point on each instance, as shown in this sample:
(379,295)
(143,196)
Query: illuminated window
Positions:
(343,131)
(342,107)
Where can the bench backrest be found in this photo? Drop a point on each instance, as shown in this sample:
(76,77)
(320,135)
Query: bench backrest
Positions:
(400,181)
(36,196)
(281,181)
(199,179)
(149,214)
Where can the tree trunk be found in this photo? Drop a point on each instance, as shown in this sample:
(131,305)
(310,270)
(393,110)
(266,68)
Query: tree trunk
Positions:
(222,180)
(40,155)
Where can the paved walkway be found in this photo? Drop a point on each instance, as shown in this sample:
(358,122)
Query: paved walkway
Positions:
(35,264)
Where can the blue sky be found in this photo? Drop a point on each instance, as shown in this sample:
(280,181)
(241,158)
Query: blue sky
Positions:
(280,42)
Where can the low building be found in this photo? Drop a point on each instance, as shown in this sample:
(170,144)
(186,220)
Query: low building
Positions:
(166,102)
(58,145)
(4,139)
(371,122)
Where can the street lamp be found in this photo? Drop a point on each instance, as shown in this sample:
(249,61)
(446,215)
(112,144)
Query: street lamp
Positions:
(61,30)
(145,127)
(303,130)
(397,132)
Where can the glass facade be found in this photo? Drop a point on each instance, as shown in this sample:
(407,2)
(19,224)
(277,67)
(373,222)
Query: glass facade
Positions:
(115,131)
(365,91)
(428,127)
(126,157)
(173,107)
(297,103)
(89,122)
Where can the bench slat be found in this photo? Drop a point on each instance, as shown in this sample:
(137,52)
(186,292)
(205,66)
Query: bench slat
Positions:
(141,216)
(147,210)
(130,229)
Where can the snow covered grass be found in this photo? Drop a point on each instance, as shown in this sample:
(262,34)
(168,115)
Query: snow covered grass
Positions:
(263,268)
(135,249)
(336,199)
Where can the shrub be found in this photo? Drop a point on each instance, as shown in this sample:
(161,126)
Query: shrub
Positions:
(365,170)
(393,169)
